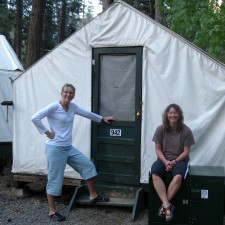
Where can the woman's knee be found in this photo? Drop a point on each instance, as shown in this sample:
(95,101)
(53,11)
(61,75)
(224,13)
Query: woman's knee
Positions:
(178,179)
(155,177)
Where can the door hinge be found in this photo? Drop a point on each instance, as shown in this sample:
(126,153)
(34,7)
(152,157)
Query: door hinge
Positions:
(93,62)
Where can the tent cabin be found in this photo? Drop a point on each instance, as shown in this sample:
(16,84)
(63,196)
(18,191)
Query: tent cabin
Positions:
(10,69)
(124,64)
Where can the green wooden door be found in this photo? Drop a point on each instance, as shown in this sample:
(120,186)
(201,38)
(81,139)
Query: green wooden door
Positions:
(116,91)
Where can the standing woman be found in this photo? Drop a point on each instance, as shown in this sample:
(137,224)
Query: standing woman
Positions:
(59,150)
(173,140)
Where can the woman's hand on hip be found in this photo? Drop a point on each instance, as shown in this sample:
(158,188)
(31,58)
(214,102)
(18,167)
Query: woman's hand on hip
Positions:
(50,135)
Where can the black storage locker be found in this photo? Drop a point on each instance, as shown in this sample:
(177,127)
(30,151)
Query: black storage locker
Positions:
(200,200)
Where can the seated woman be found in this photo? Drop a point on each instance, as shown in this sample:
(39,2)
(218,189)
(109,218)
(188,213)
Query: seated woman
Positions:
(173,140)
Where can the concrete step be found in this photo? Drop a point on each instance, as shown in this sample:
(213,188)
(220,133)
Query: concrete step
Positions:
(20,192)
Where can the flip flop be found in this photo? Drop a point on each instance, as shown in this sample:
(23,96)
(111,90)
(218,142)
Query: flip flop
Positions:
(171,209)
(161,211)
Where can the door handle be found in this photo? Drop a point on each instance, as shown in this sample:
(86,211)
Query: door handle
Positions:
(139,109)
(138,114)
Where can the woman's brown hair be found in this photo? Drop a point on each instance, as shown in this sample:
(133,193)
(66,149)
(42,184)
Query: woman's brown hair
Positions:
(165,120)
(69,85)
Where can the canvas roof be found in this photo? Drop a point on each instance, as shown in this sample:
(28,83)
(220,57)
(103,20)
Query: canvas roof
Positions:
(8,58)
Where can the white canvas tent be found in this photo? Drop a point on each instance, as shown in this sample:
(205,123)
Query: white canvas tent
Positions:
(10,69)
(173,71)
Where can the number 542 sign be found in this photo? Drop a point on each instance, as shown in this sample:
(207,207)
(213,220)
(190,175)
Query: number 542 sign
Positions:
(115,132)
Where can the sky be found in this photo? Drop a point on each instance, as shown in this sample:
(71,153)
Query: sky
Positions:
(97,7)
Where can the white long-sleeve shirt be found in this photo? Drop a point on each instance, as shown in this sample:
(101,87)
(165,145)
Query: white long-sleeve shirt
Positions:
(61,122)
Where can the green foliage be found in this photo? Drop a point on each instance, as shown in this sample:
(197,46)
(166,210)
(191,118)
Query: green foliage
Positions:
(52,17)
(88,12)
(200,22)
(7,20)
(211,35)
(50,27)
(74,16)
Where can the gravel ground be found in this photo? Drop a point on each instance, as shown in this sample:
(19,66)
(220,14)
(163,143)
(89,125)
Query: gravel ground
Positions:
(33,210)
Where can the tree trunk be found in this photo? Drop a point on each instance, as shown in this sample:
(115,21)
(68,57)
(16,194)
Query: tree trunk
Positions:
(35,32)
(147,7)
(18,36)
(63,22)
(152,9)
(106,3)
(3,2)
(158,16)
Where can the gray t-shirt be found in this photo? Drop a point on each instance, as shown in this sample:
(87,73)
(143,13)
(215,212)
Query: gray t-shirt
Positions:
(173,142)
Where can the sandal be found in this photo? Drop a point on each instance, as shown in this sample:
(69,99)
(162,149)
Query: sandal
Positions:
(169,209)
(99,199)
(57,217)
(161,211)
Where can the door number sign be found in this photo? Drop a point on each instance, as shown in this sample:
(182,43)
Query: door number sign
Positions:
(115,132)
